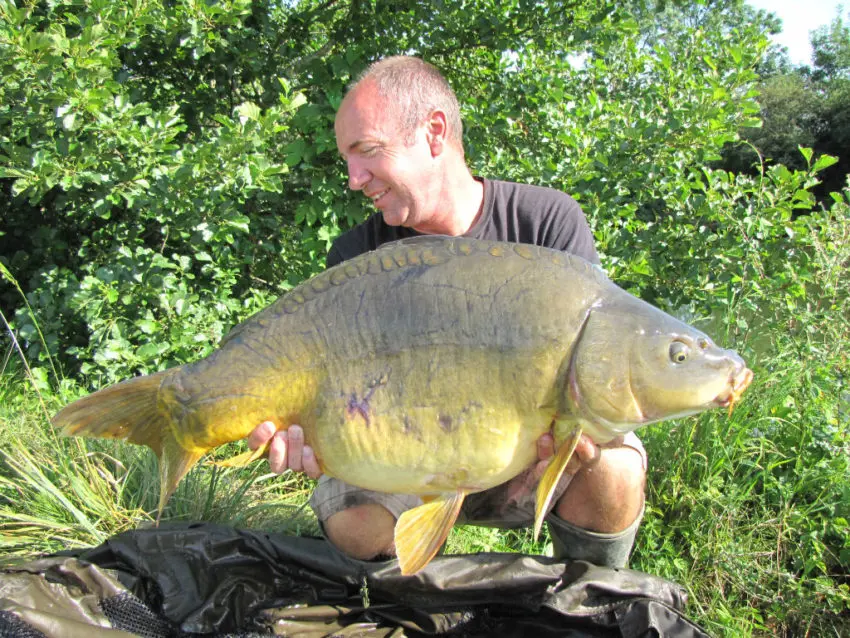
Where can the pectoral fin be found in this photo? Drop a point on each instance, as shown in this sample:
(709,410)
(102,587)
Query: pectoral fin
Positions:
(420,532)
(547,485)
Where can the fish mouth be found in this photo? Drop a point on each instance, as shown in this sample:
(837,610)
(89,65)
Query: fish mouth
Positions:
(738,382)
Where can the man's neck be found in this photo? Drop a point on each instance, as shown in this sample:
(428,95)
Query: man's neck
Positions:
(463,200)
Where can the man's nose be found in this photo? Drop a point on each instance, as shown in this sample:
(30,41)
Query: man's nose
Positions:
(358,176)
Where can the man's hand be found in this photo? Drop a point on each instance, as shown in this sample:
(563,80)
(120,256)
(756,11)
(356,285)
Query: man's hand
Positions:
(286,449)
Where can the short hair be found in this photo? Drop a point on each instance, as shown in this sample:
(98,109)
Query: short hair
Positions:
(415,89)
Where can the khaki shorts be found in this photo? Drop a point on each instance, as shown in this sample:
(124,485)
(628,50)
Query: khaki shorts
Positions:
(506,506)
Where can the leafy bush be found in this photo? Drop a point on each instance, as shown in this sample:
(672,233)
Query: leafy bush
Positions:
(130,223)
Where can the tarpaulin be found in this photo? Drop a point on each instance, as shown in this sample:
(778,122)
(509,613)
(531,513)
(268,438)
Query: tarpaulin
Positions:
(206,579)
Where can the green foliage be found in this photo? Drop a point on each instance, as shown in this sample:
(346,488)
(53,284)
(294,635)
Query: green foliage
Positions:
(831,44)
(807,106)
(715,237)
(131,226)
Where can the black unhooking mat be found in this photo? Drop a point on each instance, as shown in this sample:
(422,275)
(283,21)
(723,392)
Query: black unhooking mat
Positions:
(204,579)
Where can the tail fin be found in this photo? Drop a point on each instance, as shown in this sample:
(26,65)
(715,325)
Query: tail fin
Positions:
(126,410)
(130,411)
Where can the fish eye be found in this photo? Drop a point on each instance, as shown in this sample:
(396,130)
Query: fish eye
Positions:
(679,352)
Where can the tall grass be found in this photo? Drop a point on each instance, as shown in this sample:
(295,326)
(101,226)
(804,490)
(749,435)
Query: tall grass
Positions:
(58,492)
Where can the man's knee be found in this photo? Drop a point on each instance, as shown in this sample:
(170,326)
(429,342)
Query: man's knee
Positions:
(626,467)
(608,495)
(598,516)
(363,531)
(359,522)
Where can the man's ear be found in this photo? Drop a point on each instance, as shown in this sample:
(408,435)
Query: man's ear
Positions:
(437,131)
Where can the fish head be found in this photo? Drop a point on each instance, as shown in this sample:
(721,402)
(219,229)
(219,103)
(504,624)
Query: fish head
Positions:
(634,364)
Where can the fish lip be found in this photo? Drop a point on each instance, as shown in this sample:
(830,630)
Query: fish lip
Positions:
(739,381)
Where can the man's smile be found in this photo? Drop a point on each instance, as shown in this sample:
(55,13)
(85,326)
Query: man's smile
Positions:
(377,196)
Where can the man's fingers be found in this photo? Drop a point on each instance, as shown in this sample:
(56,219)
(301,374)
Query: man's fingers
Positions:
(311,465)
(261,434)
(586,450)
(545,447)
(287,450)
(278,453)
(545,452)
(586,453)
(295,448)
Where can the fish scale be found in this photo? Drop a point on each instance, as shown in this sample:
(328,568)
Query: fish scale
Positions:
(429,366)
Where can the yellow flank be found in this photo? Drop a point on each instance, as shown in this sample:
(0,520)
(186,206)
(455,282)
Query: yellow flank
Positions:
(397,425)
(430,366)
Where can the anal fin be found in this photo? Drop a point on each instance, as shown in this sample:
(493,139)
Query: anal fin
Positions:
(549,482)
(420,532)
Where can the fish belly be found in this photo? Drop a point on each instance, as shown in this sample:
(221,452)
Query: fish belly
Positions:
(433,419)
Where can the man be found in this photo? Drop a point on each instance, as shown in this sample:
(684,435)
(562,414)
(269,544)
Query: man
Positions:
(399,131)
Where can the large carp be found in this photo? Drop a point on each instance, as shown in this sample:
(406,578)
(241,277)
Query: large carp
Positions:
(430,366)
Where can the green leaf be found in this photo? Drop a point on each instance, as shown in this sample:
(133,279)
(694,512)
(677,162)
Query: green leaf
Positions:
(248,111)
(240,222)
(295,152)
(68,121)
(148,326)
(150,350)
(822,162)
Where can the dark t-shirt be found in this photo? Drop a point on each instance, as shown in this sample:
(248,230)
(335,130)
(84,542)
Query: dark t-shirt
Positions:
(511,212)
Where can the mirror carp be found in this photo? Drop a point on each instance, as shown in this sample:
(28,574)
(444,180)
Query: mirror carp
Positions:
(430,366)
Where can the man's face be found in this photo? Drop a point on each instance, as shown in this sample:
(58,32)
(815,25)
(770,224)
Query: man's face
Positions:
(393,171)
